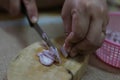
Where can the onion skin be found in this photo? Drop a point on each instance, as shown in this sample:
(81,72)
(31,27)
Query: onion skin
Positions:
(48,57)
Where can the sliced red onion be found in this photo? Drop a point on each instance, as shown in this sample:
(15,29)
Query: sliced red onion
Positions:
(49,54)
(56,54)
(52,51)
(47,57)
(45,60)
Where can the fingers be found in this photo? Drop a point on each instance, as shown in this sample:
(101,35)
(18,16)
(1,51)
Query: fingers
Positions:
(67,19)
(68,44)
(88,26)
(31,9)
(95,35)
(95,31)
(93,40)
(67,25)
(14,7)
(80,25)
(83,48)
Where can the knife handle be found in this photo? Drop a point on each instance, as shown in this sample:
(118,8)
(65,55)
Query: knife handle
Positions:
(24,11)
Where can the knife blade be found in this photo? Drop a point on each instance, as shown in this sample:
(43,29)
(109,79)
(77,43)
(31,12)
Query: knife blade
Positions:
(45,37)
(42,33)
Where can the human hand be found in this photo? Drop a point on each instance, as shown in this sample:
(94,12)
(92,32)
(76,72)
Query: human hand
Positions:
(14,8)
(85,25)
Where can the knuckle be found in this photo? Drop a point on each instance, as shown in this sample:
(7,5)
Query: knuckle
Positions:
(75,12)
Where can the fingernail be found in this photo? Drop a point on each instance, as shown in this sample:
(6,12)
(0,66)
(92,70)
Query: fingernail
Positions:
(34,19)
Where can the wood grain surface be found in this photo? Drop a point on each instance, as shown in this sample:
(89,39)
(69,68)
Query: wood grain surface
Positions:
(26,65)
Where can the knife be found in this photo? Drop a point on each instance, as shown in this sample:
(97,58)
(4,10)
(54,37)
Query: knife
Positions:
(43,34)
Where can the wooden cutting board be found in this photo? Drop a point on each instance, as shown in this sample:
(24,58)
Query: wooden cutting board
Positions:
(26,65)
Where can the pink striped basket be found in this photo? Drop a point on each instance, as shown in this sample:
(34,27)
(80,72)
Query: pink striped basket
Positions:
(110,50)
